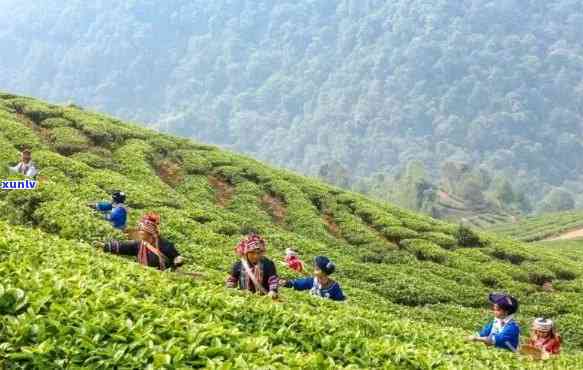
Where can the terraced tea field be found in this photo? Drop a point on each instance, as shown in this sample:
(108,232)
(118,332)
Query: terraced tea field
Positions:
(416,286)
(542,227)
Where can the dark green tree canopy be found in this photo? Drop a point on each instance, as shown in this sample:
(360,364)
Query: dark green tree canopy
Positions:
(371,84)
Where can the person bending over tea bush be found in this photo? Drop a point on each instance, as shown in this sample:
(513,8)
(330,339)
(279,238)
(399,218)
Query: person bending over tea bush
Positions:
(149,247)
(292,260)
(320,284)
(503,332)
(254,271)
(26,166)
(115,211)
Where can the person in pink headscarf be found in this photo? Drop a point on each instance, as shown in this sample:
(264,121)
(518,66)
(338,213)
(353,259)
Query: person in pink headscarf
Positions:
(293,261)
(544,336)
(253,272)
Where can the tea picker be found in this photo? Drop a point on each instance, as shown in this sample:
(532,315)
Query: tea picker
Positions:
(25,167)
(253,272)
(544,340)
(502,332)
(293,261)
(115,211)
(148,247)
(320,285)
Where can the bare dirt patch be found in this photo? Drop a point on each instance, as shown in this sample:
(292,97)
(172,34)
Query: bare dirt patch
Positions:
(170,172)
(570,235)
(223,190)
(275,206)
(331,225)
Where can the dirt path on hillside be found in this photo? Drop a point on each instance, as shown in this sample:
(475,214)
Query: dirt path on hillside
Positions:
(570,235)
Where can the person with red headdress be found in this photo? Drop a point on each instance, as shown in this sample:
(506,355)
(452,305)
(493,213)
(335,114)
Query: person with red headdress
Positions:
(149,247)
(254,271)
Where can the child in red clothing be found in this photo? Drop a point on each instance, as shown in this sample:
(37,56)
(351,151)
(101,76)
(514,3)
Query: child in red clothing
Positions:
(544,337)
(293,261)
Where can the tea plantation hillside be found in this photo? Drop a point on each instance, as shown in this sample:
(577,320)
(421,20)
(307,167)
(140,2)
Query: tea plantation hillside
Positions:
(416,286)
(542,227)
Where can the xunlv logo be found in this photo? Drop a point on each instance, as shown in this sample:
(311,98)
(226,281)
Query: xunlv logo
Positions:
(18,185)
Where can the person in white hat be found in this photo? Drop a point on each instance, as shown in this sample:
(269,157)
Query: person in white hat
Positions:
(544,336)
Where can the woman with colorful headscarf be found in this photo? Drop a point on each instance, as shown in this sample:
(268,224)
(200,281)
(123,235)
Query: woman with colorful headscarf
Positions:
(254,271)
(321,285)
(544,337)
(149,247)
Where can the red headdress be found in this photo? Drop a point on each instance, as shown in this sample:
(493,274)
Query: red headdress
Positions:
(252,242)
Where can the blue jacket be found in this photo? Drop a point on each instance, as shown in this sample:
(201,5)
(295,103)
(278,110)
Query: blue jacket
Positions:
(508,338)
(114,213)
(333,292)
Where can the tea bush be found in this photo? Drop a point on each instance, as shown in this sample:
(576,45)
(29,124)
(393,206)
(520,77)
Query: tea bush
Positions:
(425,250)
(67,140)
(414,290)
(541,227)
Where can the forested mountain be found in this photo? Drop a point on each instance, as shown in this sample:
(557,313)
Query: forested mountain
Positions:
(369,85)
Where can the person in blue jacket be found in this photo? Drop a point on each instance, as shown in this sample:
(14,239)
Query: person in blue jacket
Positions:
(320,284)
(503,332)
(114,211)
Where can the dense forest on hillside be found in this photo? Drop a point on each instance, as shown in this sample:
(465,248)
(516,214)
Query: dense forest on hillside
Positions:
(366,86)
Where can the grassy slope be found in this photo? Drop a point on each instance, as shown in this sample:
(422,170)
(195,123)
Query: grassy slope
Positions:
(541,227)
(65,304)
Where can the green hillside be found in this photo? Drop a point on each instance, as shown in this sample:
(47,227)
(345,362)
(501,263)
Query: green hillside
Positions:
(414,291)
(305,84)
(541,227)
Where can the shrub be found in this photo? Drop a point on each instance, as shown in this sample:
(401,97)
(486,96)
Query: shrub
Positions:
(493,278)
(18,135)
(352,228)
(466,237)
(36,111)
(193,163)
(69,218)
(538,273)
(197,189)
(440,239)
(9,155)
(74,170)
(55,122)
(380,253)
(397,233)
(416,225)
(67,140)
(425,250)
(512,255)
(12,301)
(93,160)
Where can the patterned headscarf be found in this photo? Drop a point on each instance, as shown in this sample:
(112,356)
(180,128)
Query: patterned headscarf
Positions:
(150,224)
(544,325)
(290,253)
(252,242)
